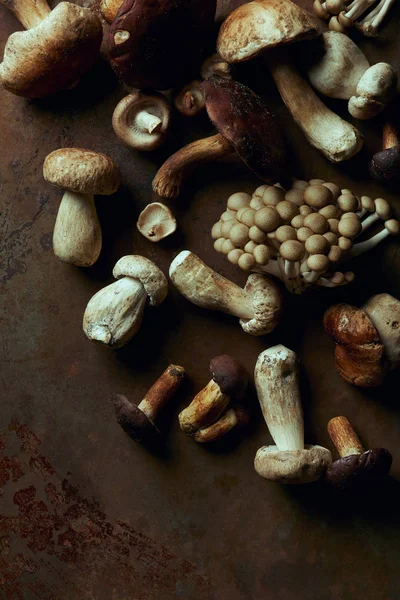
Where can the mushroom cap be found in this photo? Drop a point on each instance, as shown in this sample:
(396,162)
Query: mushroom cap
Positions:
(133,421)
(128,126)
(82,171)
(156,222)
(267,305)
(244,119)
(385,165)
(229,375)
(292,466)
(143,269)
(359,469)
(189,101)
(292,250)
(384,312)
(232,417)
(157,44)
(53,55)
(262,24)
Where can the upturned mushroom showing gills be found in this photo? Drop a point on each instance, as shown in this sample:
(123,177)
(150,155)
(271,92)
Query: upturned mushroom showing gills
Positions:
(156,222)
(77,235)
(258,305)
(245,125)
(362,14)
(58,48)
(114,315)
(268,26)
(289,461)
(301,235)
(355,469)
(385,165)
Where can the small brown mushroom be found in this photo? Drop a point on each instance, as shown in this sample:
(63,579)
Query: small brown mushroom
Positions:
(215,65)
(230,419)
(189,101)
(385,165)
(156,222)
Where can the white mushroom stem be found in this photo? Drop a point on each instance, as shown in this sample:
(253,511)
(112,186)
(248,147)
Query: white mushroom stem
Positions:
(148,122)
(367,245)
(370,24)
(357,8)
(28,12)
(278,392)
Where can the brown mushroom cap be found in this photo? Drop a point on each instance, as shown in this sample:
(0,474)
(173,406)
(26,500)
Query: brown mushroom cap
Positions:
(292,466)
(356,470)
(133,421)
(229,375)
(156,222)
(189,101)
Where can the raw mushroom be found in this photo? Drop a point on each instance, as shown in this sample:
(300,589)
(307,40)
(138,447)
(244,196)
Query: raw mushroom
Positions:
(215,65)
(245,125)
(142,120)
(375,90)
(263,26)
(385,165)
(156,222)
(190,100)
(349,13)
(58,48)
(355,467)
(138,421)
(77,233)
(289,461)
(109,9)
(230,419)
(229,382)
(258,305)
(114,315)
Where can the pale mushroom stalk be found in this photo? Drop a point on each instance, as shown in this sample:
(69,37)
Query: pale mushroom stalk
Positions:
(148,122)
(357,8)
(29,13)
(391,228)
(370,24)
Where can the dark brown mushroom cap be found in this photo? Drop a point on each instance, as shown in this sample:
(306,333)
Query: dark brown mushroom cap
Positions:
(156,44)
(245,121)
(230,375)
(385,165)
(133,421)
(356,470)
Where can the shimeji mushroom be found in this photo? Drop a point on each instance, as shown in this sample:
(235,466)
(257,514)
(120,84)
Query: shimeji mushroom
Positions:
(138,420)
(114,315)
(266,26)
(142,120)
(258,305)
(300,235)
(355,468)
(245,125)
(343,14)
(156,222)
(58,48)
(77,235)
(385,165)
(289,461)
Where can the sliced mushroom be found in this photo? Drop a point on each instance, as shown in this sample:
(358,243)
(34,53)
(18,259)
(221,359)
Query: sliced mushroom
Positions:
(156,222)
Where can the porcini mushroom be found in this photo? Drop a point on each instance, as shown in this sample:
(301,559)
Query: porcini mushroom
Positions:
(156,222)
(375,90)
(114,315)
(230,419)
(385,165)
(355,467)
(258,305)
(263,26)
(138,421)
(142,120)
(245,125)
(77,233)
(58,48)
(289,461)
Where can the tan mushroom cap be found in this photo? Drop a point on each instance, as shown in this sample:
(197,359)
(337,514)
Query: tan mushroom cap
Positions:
(156,222)
(292,466)
(384,312)
(263,24)
(318,262)
(317,244)
(267,219)
(317,223)
(152,278)
(318,196)
(82,171)
(292,250)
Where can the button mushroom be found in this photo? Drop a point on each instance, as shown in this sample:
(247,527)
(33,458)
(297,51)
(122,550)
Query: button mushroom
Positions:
(245,125)
(385,165)
(114,315)
(289,461)
(156,222)
(58,48)
(265,25)
(138,421)
(355,467)
(142,121)
(77,233)
(258,305)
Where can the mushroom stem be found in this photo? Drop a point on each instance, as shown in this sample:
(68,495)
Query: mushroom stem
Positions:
(391,228)
(29,13)
(171,175)
(161,391)
(370,220)
(369,25)
(344,437)
(230,419)
(148,122)
(390,136)
(204,409)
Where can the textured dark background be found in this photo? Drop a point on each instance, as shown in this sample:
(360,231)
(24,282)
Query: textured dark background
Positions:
(86,512)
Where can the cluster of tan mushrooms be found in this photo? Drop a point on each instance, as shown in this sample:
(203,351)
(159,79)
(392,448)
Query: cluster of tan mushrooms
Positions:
(365,15)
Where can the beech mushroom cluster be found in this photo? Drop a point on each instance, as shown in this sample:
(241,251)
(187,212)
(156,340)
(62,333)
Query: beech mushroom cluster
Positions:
(365,15)
(300,235)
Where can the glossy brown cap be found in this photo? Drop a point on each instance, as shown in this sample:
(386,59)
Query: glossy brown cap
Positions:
(229,375)
(133,421)
(358,470)
(385,165)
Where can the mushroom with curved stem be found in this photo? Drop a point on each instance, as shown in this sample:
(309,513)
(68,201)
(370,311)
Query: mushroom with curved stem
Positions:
(289,461)
(58,47)
(234,417)
(77,235)
(385,165)
(189,101)
(114,314)
(142,120)
(156,222)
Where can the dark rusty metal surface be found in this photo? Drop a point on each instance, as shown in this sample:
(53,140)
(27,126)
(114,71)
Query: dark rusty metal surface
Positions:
(86,512)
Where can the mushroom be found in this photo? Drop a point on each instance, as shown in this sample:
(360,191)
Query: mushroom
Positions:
(109,8)
(215,65)
(155,45)
(385,165)
(349,13)
(138,421)
(141,120)
(289,461)
(355,467)
(367,339)
(58,48)
(229,383)
(264,25)
(189,101)
(156,222)
(375,90)
(230,419)
(245,125)
(77,233)
(258,305)
(114,315)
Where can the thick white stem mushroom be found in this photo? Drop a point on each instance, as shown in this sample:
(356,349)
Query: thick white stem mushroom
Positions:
(29,12)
